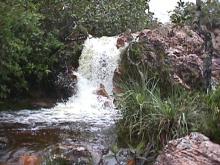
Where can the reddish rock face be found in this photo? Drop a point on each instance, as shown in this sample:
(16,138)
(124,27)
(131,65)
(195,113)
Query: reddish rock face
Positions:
(123,39)
(30,160)
(183,49)
(195,149)
(121,42)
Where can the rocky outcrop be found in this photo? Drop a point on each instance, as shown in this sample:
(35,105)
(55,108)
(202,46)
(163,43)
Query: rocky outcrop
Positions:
(183,52)
(195,149)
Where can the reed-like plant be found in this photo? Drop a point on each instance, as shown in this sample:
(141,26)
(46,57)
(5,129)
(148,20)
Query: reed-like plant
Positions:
(149,117)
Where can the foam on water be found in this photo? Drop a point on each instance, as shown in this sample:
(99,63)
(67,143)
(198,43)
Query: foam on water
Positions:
(99,60)
(97,64)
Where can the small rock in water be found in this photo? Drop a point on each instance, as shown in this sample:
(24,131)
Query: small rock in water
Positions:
(73,154)
(30,160)
(3,142)
(122,157)
(101,91)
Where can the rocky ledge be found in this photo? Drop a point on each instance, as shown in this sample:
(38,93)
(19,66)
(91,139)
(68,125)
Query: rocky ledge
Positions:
(182,50)
(195,149)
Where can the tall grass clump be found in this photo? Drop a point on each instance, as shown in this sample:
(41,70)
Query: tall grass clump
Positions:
(211,124)
(149,117)
(154,108)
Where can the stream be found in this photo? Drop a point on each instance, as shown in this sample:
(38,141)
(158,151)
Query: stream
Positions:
(78,131)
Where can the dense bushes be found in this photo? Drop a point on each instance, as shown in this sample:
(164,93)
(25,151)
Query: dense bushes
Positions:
(117,16)
(27,52)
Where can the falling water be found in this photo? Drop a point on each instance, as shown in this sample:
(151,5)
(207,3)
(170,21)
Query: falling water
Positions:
(84,112)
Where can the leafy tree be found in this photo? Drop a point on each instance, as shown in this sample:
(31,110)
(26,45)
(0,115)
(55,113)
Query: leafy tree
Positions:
(185,13)
(97,17)
(27,52)
(182,13)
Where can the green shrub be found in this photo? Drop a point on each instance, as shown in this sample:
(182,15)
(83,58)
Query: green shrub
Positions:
(148,116)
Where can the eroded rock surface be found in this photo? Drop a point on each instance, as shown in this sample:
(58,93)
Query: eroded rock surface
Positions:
(184,53)
(195,149)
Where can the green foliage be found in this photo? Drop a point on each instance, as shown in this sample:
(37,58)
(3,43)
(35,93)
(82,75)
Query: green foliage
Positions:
(181,13)
(97,17)
(39,39)
(154,119)
(27,52)
(154,109)
(213,99)
(184,13)
(111,18)
(57,161)
(211,125)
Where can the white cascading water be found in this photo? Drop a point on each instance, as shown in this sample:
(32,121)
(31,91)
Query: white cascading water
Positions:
(87,119)
(97,64)
(99,60)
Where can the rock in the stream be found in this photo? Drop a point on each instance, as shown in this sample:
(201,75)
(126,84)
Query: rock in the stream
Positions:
(102,92)
(195,149)
(30,160)
(122,157)
(3,142)
(72,154)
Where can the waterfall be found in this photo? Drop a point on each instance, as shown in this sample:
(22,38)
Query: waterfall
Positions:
(98,61)
(86,119)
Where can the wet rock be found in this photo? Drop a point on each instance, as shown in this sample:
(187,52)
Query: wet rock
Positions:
(118,73)
(30,160)
(122,157)
(66,83)
(102,92)
(195,149)
(3,142)
(46,103)
(123,39)
(73,154)
(121,42)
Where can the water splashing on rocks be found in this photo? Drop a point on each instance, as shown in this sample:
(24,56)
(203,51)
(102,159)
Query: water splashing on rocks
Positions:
(85,120)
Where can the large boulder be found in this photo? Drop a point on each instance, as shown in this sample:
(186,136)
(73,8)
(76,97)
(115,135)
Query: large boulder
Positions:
(195,149)
(182,50)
